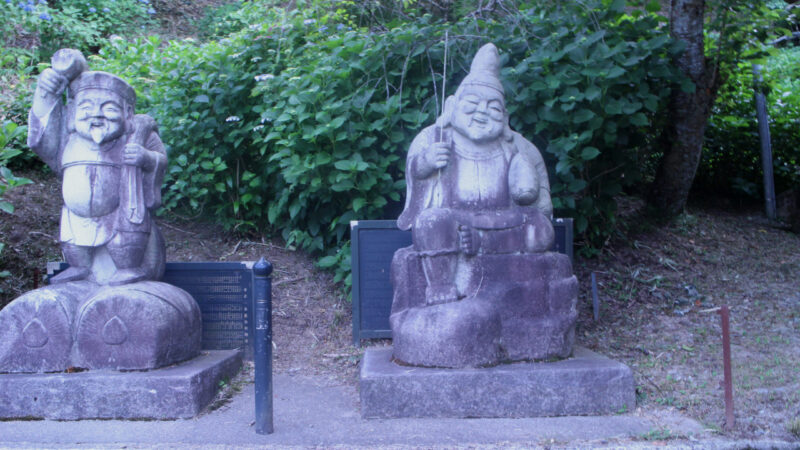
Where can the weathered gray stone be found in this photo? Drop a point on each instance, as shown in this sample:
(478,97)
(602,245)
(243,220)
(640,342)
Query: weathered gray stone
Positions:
(173,392)
(136,326)
(584,384)
(478,286)
(36,331)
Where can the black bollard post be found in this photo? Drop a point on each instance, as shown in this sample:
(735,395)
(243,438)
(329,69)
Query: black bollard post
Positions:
(262,351)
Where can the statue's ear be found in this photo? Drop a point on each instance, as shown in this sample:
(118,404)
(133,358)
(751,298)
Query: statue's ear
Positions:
(129,124)
(447,113)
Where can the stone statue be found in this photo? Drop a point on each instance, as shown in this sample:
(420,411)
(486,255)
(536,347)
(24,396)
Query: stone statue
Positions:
(112,165)
(479,286)
(107,310)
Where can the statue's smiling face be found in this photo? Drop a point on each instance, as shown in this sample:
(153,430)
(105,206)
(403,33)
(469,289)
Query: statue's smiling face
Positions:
(99,115)
(480,113)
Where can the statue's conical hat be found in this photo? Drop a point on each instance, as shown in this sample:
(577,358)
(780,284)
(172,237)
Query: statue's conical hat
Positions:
(485,69)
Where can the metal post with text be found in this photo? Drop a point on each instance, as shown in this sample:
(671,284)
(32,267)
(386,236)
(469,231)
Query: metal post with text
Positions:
(262,353)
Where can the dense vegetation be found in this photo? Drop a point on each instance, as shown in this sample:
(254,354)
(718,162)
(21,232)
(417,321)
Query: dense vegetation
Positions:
(295,121)
(732,157)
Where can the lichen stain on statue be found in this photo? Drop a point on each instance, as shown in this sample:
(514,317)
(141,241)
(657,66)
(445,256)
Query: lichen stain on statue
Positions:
(478,286)
(108,309)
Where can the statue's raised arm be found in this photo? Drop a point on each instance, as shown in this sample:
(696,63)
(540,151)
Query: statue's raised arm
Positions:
(46,121)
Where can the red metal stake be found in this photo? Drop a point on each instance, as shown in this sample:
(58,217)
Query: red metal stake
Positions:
(36,278)
(726,358)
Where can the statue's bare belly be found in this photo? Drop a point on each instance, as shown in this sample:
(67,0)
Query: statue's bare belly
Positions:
(91,190)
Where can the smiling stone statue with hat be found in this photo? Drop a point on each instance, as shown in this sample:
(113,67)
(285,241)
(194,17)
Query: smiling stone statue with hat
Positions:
(112,164)
(107,309)
(479,285)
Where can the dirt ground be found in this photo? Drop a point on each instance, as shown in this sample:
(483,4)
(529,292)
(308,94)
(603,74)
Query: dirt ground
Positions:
(658,290)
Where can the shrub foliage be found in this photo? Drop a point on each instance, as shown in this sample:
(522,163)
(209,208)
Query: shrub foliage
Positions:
(297,123)
(731,161)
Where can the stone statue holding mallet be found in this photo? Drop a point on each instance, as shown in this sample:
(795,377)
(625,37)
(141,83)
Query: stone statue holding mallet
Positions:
(107,310)
(111,163)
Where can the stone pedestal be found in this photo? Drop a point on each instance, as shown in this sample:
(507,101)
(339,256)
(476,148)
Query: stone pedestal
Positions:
(584,384)
(516,307)
(81,324)
(175,392)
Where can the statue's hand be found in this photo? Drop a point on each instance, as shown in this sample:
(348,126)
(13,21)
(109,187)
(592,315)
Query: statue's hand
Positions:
(466,241)
(51,82)
(435,157)
(135,155)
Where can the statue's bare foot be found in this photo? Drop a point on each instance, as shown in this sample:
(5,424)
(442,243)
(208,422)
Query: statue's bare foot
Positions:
(125,276)
(437,294)
(71,274)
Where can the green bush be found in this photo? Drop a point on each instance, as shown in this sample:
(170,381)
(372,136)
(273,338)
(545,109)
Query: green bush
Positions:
(32,30)
(297,124)
(45,27)
(16,69)
(11,136)
(731,161)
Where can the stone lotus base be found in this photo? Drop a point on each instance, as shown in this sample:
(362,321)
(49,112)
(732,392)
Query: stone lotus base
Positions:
(584,384)
(175,392)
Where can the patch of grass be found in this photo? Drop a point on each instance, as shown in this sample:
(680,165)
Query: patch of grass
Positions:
(794,427)
(666,401)
(658,434)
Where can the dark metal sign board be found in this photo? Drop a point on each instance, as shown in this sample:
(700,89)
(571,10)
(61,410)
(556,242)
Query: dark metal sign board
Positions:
(224,292)
(373,243)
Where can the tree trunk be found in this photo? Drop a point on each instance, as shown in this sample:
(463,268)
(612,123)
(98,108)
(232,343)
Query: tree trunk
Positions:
(688,113)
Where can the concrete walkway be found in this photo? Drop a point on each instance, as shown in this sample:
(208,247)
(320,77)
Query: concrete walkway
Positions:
(312,411)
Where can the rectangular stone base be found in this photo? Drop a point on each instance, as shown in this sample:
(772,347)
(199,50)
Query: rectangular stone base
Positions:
(174,392)
(585,384)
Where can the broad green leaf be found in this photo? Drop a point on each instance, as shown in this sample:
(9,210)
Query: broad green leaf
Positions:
(327,261)
(653,6)
(6,206)
(615,72)
(577,185)
(582,115)
(639,119)
(589,153)
(337,122)
(592,93)
(563,166)
(358,203)
(294,209)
